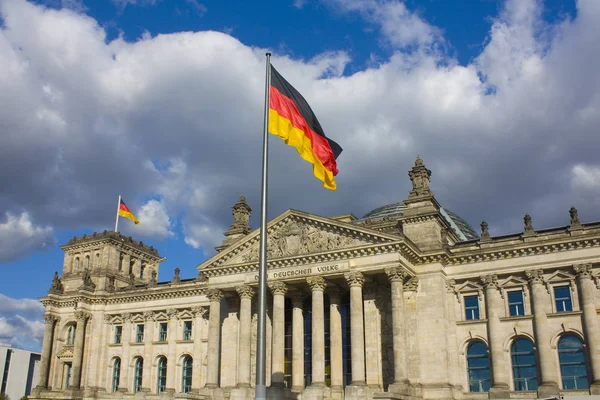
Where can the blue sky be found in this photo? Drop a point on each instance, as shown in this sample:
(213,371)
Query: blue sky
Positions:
(137,97)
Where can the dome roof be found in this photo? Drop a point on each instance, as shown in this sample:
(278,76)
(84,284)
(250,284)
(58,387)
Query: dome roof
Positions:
(395,210)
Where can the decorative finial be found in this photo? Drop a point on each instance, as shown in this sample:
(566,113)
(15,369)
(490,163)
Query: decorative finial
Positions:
(528,226)
(574,216)
(176,278)
(484,230)
(420,177)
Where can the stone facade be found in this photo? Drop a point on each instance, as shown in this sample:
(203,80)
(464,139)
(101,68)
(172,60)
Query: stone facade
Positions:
(407,303)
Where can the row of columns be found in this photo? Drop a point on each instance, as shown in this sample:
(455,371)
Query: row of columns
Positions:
(318,286)
(547,359)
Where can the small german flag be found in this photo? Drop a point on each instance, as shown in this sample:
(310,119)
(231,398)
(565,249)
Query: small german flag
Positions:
(124,211)
(291,118)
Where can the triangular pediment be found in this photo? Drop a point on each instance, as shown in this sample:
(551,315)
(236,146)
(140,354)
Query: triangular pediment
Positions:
(185,314)
(295,233)
(560,276)
(138,318)
(513,281)
(66,353)
(469,286)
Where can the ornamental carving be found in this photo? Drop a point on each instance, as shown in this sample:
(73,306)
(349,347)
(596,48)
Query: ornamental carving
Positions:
(484,230)
(82,316)
(527,223)
(56,287)
(412,284)
(176,277)
(574,216)
(278,288)
(316,283)
(87,280)
(198,311)
(583,271)
(126,317)
(214,294)
(148,315)
(295,239)
(396,274)
(172,313)
(490,281)
(535,277)
(354,278)
(245,291)
(420,178)
(107,318)
(50,318)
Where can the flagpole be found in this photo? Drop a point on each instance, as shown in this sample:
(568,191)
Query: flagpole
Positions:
(118,208)
(260,392)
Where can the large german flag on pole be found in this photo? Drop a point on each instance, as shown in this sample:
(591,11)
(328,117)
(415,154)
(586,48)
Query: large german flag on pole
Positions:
(291,118)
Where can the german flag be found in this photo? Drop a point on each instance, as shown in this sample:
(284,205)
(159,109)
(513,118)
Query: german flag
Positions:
(124,211)
(291,118)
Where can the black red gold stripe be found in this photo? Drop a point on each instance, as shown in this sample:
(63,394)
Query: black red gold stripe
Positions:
(124,211)
(292,119)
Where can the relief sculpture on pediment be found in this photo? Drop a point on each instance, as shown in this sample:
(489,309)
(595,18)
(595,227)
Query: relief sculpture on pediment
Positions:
(296,239)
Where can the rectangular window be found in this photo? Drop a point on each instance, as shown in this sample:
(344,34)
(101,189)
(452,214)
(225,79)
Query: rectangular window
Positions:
(67,375)
(562,297)
(139,333)
(118,334)
(471,307)
(187,330)
(162,332)
(516,306)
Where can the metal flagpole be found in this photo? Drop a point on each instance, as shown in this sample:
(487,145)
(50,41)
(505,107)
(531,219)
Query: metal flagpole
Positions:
(118,208)
(260,392)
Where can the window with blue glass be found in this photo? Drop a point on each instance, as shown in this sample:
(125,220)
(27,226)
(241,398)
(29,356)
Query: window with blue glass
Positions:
(573,366)
(137,375)
(478,367)
(71,335)
(139,334)
(516,305)
(161,376)
(471,307)
(186,374)
(118,334)
(68,375)
(116,374)
(562,297)
(187,330)
(524,367)
(162,332)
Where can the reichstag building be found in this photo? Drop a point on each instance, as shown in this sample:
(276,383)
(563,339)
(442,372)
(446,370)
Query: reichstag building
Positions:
(407,302)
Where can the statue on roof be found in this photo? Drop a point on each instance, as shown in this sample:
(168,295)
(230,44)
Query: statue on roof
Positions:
(420,178)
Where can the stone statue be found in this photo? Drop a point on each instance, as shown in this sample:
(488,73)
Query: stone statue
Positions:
(131,280)
(56,287)
(176,278)
(87,279)
(201,277)
(527,221)
(110,284)
(420,178)
(484,230)
(574,216)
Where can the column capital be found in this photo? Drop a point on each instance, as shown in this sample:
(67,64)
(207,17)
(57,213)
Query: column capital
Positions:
(489,281)
(198,311)
(82,316)
(535,277)
(297,299)
(107,318)
(172,313)
(278,288)
(50,318)
(316,283)
(355,278)
(148,315)
(245,291)
(396,274)
(412,284)
(214,294)
(126,317)
(583,271)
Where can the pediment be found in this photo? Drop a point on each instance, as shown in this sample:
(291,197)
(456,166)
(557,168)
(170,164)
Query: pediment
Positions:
(138,318)
(185,314)
(66,353)
(469,286)
(560,276)
(513,281)
(295,233)
(161,316)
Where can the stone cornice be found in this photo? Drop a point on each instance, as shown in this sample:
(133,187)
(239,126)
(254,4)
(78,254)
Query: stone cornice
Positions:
(113,238)
(131,296)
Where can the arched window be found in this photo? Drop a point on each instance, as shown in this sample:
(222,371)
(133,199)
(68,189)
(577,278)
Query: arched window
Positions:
(186,374)
(76,264)
(161,376)
(116,374)
(137,376)
(478,367)
(71,335)
(524,368)
(573,368)
(86,265)
(97,260)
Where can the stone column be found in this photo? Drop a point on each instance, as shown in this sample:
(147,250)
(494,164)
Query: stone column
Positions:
(214,337)
(335,339)
(171,356)
(546,356)
(397,275)
(125,340)
(50,321)
(148,339)
(278,289)
(297,342)
(197,351)
(246,293)
(587,290)
(357,332)
(494,306)
(317,286)
(81,318)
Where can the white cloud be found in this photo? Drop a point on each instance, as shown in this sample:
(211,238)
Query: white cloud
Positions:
(19,236)
(299,3)
(154,221)
(586,177)
(179,117)
(21,324)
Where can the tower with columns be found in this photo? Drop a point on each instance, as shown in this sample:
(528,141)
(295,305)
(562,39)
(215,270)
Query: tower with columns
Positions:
(406,302)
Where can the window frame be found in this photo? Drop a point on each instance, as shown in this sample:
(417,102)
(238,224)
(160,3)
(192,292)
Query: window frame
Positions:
(188,332)
(586,362)
(138,374)
(469,369)
(161,331)
(161,375)
(118,334)
(523,302)
(186,387)
(479,308)
(139,333)
(513,366)
(555,300)
(116,375)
